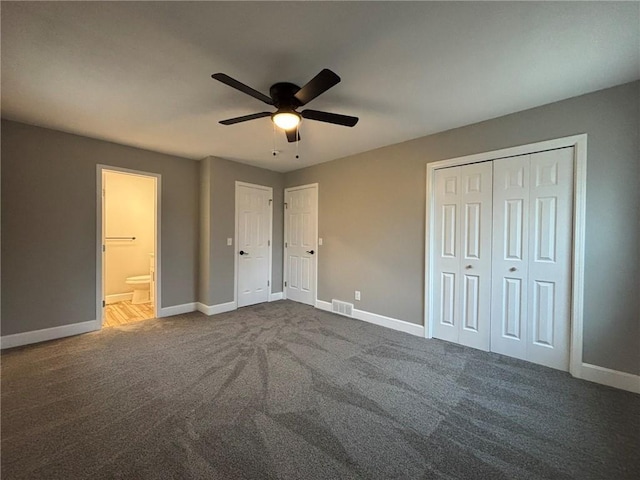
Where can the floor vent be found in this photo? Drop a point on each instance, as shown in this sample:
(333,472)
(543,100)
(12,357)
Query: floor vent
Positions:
(343,308)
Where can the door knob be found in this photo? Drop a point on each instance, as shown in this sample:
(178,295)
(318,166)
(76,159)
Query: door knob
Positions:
(242,252)
(513,269)
(310,251)
(468,267)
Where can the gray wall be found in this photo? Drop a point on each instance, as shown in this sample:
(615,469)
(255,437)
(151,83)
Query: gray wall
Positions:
(204,272)
(372,215)
(49,224)
(217,275)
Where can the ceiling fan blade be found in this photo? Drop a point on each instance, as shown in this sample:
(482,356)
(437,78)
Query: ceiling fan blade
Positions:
(327,117)
(232,82)
(245,118)
(317,86)
(291,135)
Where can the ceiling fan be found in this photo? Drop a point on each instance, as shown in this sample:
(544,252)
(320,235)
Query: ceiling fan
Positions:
(287,97)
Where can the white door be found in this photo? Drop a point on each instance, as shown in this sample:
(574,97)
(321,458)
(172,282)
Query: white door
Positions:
(510,255)
(475,248)
(446,253)
(550,252)
(300,247)
(533,205)
(253,245)
(462,257)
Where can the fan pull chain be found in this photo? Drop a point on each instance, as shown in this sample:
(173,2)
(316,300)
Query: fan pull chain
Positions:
(274,151)
(297,139)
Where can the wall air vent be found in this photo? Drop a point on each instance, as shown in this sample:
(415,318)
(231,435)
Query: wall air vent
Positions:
(342,308)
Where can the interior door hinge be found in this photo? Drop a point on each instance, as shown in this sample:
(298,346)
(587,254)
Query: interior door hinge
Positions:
(268,283)
(104,304)
(104,248)
(286,244)
(268,243)
(270,200)
(285,284)
(286,205)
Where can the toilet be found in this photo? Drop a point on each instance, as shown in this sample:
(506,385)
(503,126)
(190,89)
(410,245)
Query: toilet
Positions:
(140,285)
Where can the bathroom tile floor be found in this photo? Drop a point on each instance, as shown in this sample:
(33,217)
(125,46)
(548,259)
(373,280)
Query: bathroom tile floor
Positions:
(123,313)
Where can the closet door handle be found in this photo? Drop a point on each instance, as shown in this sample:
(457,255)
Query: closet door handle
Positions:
(513,269)
(242,252)
(468,267)
(310,252)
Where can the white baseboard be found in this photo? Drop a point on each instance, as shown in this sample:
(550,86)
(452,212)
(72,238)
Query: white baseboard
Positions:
(275,296)
(322,305)
(389,322)
(177,310)
(612,378)
(215,309)
(118,297)
(377,319)
(35,336)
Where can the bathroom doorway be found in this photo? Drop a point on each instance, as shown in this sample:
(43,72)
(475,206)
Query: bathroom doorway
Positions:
(128,252)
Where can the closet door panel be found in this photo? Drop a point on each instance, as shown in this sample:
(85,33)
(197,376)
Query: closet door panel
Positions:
(446,254)
(509,298)
(551,226)
(475,261)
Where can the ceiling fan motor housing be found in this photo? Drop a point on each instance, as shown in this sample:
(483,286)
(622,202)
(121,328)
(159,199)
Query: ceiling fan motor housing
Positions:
(282,94)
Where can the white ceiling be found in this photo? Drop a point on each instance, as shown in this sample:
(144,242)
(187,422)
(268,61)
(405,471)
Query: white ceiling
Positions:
(140,73)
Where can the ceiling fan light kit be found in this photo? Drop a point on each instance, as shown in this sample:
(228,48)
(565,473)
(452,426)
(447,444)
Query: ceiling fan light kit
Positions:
(286,120)
(287,97)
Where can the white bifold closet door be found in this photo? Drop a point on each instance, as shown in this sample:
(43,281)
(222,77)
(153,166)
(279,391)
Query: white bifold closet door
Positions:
(502,256)
(532,224)
(462,275)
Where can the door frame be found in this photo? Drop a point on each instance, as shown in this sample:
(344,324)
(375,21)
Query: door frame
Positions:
(100,270)
(285,277)
(579,143)
(235,238)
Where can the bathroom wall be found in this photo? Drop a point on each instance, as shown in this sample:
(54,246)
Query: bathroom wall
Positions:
(129,212)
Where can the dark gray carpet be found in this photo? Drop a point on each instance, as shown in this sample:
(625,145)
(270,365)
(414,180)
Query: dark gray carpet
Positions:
(286,391)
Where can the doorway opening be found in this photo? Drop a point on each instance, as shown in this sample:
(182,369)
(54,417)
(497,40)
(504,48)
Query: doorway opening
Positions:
(128,251)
